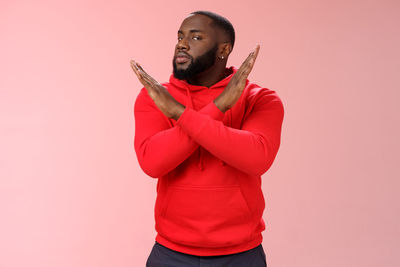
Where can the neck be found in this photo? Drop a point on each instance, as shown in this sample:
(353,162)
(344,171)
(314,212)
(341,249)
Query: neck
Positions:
(209,77)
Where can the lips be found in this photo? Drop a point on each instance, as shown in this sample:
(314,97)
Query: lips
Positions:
(181,58)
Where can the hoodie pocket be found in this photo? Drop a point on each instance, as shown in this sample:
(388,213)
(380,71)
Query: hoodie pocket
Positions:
(206,217)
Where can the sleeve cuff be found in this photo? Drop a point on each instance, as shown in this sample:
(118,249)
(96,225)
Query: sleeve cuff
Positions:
(210,109)
(183,116)
(213,111)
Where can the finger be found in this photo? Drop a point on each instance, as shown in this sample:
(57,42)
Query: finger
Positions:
(243,70)
(256,52)
(134,68)
(140,67)
(132,63)
(251,64)
(244,64)
(145,74)
(253,54)
(143,71)
(142,78)
(149,82)
(248,64)
(142,74)
(249,58)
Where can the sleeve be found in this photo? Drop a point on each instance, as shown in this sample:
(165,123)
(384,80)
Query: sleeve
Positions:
(158,146)
(251,149)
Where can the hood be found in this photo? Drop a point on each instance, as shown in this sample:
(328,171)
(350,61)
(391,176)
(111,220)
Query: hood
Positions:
(184,85)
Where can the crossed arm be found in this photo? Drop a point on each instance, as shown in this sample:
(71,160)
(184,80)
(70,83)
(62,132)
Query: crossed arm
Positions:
(251,149)
(161,148)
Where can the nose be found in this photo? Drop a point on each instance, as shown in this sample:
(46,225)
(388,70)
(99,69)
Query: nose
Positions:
(182,44)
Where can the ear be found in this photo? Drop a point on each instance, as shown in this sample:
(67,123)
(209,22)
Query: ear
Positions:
(224,49)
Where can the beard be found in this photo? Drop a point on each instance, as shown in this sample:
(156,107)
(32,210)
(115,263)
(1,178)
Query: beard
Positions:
(196,66)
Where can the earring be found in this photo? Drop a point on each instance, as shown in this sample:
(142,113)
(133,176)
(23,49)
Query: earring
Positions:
(222,57)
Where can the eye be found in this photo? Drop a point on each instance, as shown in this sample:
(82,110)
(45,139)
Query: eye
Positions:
(194,37)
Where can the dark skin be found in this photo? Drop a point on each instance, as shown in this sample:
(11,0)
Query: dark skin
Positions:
(196,44)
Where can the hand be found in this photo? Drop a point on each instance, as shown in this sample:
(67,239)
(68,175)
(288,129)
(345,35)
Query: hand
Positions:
(161,97)
(236,85)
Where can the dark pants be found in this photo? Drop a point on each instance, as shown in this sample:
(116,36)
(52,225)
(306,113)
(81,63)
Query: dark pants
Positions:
(161,256)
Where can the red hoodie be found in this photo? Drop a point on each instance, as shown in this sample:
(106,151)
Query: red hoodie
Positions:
(209,165)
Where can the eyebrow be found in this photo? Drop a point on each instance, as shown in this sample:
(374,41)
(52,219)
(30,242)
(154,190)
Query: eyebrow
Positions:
(194,30)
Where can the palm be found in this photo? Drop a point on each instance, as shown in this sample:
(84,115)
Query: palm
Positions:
(160,95)
(236,85)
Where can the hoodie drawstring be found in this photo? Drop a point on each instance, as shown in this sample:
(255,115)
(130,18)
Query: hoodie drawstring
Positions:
(189,98)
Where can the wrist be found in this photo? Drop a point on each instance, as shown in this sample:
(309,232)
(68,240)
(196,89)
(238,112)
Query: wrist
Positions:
(219,105)
(177,111)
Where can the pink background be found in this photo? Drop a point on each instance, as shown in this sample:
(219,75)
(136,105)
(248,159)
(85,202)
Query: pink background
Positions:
(71,191)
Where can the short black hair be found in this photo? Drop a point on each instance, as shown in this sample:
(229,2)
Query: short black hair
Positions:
(220,22)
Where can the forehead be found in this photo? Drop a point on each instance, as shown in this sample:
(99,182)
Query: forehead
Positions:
(197,22)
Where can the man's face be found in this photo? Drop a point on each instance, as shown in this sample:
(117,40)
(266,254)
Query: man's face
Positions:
(196,50)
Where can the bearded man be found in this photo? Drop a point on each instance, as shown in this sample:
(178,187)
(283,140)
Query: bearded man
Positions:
(207,136)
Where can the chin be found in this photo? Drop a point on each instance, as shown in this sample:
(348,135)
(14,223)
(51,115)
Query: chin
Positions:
(181,67)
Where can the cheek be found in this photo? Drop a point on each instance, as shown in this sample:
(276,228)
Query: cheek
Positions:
(198,49)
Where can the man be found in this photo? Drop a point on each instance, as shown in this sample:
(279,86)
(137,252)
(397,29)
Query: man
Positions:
(208,135)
